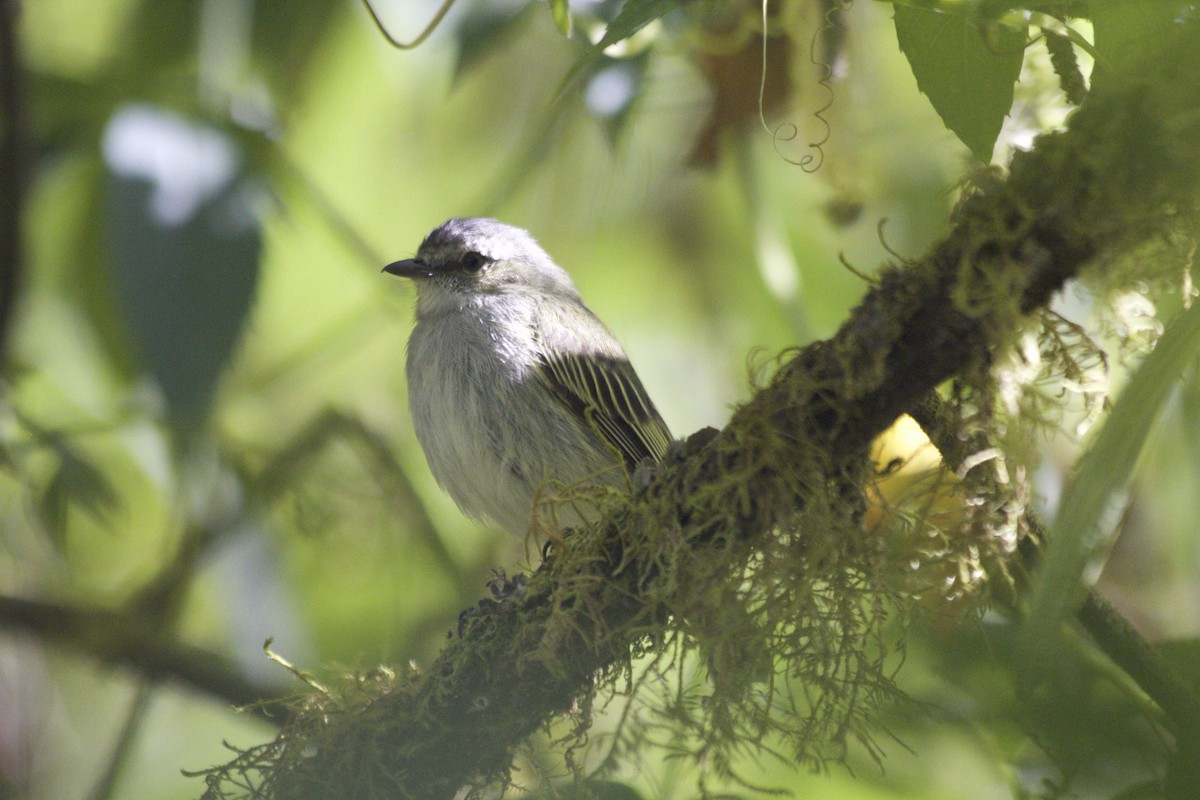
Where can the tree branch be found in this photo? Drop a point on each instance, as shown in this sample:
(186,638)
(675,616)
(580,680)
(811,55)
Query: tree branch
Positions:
(132,642)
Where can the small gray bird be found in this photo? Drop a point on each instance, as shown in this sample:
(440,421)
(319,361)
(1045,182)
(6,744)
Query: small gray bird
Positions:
(512,380)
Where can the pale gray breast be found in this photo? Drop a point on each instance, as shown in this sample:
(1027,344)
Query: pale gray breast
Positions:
(490,428)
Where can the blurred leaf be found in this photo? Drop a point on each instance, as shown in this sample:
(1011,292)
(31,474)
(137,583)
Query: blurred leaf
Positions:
(612,91)
(1183,773)
(85,484)
(1184,657)
(1104,471)
(967,71)
(89,279)
(1188,427)
(160,38)
(186,240)
(287,35)
(1147,790)
(483,29)
(1183,769)
(75,481)
(1082,721)
(68,112)
(1125,29)
(635,15)
(52,510)
(562,16)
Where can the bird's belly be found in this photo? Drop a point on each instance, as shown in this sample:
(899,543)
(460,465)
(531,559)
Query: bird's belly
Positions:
(493,435)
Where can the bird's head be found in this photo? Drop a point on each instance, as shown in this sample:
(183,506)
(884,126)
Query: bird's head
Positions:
(479,256)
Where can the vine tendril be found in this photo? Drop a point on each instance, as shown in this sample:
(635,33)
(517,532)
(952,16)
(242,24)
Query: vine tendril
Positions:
(787,131)
(421,37)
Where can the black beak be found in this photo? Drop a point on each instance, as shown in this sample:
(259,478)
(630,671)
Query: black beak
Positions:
(409,268)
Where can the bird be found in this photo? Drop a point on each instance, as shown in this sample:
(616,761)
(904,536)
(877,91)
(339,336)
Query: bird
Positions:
(514,384)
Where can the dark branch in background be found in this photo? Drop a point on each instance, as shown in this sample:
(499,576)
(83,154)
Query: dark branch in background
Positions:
(139,637)
(1107,185)
(130,641)
(12,169)
(274,479)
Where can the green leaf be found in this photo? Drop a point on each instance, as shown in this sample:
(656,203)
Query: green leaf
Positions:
(85,484)
(966,70)
(483,29)
(184,230)
(1125,30)
(282,34)
(612,92)
(1083,716)
(1104,472)
(52,510)
(562,16)
(633,16)
(76,481)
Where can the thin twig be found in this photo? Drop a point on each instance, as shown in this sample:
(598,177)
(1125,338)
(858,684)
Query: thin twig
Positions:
(134,718)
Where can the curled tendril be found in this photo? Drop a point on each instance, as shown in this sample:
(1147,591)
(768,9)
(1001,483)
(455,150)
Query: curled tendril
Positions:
(421,37)
(787,131)
(870,280)
(893,252)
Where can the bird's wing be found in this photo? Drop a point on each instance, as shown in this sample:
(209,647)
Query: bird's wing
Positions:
(605,392)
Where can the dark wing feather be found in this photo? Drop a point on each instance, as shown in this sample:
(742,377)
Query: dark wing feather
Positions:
(606,393)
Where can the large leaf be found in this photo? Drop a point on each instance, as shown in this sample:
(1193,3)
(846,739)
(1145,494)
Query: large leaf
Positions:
(967,71)
(185,237)
(288,35)
(1103,474)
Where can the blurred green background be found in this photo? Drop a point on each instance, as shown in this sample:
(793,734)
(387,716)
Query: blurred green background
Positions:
(203,422)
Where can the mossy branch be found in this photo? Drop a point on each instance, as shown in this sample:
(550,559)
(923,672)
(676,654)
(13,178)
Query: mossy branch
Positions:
(1121,175)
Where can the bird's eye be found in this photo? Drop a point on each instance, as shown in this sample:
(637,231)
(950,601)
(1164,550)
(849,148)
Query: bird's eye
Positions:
(473,262)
